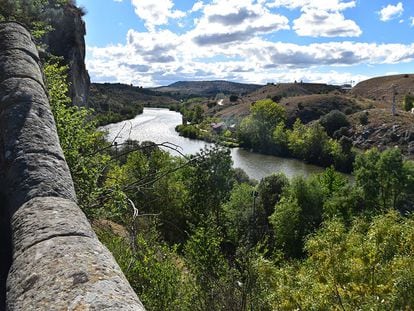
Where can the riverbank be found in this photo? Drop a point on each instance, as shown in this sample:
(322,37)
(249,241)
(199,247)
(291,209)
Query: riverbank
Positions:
(158,125)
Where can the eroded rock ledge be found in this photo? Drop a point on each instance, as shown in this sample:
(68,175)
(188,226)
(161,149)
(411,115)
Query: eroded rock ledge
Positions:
(57,261)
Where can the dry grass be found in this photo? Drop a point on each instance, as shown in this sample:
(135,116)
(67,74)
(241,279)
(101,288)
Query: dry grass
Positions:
(380,90)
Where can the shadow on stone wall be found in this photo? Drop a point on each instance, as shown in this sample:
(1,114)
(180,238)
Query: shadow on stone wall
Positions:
(5,250)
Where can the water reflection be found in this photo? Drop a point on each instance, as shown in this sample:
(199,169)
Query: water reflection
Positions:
(158,125)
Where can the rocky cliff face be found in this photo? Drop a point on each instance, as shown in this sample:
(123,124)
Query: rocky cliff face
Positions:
(67,40)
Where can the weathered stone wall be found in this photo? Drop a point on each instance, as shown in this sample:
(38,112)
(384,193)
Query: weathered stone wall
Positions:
(57,261)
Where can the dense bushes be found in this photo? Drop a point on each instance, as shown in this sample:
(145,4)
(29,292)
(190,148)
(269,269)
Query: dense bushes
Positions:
(189,131)
(264,130)
(333,121)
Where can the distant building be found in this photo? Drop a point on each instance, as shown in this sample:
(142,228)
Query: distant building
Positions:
(346,87)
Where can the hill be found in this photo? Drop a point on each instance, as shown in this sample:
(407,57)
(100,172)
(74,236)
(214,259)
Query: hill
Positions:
(306,101)
(282,90)
(116,102)
(380,89)
(208,88)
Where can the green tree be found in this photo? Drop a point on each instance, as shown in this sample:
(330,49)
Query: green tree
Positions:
(256,130)
(34,14)
(333,121)
(383,178)
(80,141)
(298,213)
(209,180)
(238,213)
(369,267)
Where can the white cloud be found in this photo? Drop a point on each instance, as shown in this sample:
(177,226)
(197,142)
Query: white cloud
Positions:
(319,23)
(227,42)
(412,21)
(321,18)
(198,6)
(391,11)
(226,21)
(331,5)
(155,13)
(118,0)
(162,57)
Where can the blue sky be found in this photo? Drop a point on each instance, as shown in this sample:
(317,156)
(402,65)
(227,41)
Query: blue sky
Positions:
(158,42)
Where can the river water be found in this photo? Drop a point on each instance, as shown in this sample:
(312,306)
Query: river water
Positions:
(158,125)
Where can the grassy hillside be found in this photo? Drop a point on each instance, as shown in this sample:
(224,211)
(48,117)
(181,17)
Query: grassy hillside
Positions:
(380,89)
(306,101)
(282,90)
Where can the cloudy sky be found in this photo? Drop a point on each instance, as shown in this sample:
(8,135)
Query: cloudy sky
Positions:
(158,42)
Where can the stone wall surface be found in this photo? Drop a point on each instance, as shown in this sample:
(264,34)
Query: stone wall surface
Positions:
(57,261)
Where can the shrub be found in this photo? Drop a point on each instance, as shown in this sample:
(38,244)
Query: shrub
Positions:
(408,102)
(333,121)
(233,98)
(363,118)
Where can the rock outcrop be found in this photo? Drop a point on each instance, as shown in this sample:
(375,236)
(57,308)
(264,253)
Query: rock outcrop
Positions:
(67,40)
(57,261)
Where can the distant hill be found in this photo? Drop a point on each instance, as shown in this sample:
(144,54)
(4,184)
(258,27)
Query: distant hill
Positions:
(116,102)
(282,90)
(307,101)
(107,95)
(208,88)
(380,89)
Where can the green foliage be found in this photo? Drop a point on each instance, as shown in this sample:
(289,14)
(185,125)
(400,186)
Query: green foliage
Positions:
(189,131)
(256,130)
(333,121)
(209,181)
(78,138)
(269,191)
(369,267)
(298,214)
(280,139)
(154,270)
(384,178)
(286,223)
(238,212)
(149,178)
(312,144)
(34,14)
(195,114)
(408,102)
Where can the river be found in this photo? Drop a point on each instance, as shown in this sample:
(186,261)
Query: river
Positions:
(158,125)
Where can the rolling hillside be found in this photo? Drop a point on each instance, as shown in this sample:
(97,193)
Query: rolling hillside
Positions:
(208,88)
(380,89)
